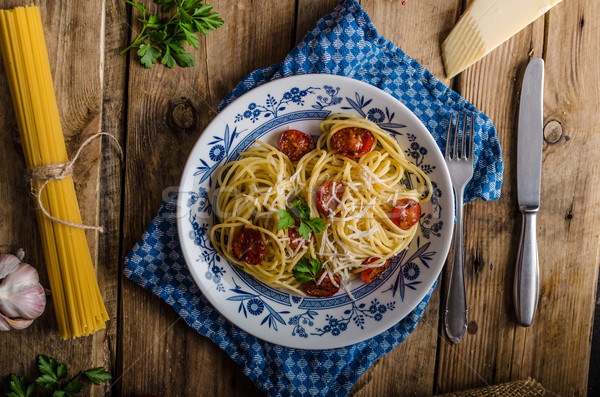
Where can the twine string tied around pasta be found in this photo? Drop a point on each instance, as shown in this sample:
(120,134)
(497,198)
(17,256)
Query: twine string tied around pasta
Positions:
(56,172)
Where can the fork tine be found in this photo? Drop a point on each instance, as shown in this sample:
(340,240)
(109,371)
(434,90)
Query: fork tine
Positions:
(456,132)
(472,135)
(463,146)
(448,136)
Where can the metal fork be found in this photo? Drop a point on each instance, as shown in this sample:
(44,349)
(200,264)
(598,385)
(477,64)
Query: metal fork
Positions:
(459,160)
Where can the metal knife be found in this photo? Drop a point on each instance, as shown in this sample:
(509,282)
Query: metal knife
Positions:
(529,175)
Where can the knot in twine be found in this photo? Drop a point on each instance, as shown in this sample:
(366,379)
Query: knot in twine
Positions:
(56,172)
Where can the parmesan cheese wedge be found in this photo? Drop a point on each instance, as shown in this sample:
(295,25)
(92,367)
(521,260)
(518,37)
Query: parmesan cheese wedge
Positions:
(484,26)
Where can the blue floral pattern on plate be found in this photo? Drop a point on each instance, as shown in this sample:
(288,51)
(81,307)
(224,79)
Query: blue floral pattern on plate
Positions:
(277,315)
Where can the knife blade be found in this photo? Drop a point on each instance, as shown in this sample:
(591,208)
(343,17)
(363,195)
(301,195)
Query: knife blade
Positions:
(529,176)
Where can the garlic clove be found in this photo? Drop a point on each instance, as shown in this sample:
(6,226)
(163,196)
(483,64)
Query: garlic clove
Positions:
(21,294)
(8,264)
(6,323)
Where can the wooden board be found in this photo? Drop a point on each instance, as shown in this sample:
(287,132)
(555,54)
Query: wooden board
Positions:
(568,249)
(156,155)
(79,83)
(158,114)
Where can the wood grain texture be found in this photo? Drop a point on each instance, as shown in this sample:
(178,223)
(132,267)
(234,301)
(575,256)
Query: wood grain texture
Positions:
(78,83)
(569,208)
(568,250)
(158,115)
(114,104)
(156,154)
(417,28)
(491,228)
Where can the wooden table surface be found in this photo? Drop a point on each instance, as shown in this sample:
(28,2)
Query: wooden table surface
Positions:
(158,114)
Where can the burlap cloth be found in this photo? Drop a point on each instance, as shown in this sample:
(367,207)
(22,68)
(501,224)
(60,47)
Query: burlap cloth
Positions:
(519,388)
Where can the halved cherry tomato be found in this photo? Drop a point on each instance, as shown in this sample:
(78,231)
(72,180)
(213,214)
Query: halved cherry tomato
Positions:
(295,144)
(353,142)
(373,273)
(323,290)
(296,239)
(248,246)
(329,197)
(406,213)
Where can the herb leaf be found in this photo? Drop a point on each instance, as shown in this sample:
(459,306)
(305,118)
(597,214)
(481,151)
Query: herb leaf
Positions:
(307,270)
(316,224)
(148,55)
(285,219)
(302,211)
(165,38)
(21,388)
(304,230)
(97,375)
(52,378)
(49,368)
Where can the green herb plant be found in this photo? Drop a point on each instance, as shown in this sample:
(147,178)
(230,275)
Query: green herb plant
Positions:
(302,210)
(53,379)
(165,38)
(307,270)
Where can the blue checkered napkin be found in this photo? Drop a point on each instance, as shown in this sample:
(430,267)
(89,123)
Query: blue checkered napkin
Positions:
(157,264)
(344,42)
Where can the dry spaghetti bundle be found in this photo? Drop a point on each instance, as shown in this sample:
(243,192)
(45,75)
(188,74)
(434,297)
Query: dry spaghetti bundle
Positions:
(77,300)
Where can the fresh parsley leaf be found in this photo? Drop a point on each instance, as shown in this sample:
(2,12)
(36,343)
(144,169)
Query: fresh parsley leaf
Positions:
(190,36)
(302,208)
(97,375)
(61,371)
(316,224)
(148,55)
(304,230)
(307,270)
(302,211)
(183,58)
(73,387)
(21,388)
(164,37)
(153,21)
(140,7)
(49,368)
(285,219)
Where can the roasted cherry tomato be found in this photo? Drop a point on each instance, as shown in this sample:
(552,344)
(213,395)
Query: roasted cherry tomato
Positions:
(329,197)
(353,141)
(323,290)
(296,239)
(248,246)
(295,144)
(373,273)
(406,213)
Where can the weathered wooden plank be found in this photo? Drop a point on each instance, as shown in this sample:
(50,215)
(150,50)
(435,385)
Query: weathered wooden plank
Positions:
(491,229)
(569,208)
(499,350)
(78,83)
(114,80)
(409,369)
(160,353)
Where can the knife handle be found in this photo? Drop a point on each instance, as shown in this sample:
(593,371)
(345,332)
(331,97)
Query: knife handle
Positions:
(527,277)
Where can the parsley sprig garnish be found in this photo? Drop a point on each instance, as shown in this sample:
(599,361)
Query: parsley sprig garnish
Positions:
(165,38)
(307,270)
(302,212)
(53,378)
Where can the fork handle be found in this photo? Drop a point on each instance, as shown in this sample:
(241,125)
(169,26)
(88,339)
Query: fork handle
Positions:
(527,277)
(456,304)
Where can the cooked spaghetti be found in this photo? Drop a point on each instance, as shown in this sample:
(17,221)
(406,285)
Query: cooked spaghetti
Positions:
(357,180)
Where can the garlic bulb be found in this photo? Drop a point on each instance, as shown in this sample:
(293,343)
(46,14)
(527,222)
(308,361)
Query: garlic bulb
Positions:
(22,298)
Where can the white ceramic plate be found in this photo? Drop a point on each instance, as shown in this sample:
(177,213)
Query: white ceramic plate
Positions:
(301,102)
